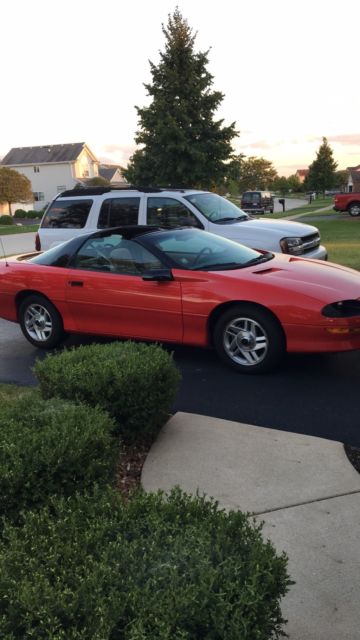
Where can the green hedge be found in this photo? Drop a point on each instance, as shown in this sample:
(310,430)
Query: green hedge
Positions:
(22,214)
(51,447)
(136,383)
(149,569)
(5,220)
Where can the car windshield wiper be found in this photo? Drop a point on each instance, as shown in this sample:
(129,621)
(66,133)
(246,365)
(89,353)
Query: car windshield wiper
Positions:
(263,258)
(230,219)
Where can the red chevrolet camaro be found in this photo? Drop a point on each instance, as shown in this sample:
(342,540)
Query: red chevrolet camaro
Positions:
(186,286)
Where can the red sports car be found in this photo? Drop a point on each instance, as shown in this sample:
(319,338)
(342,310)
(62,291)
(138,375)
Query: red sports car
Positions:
(186,286)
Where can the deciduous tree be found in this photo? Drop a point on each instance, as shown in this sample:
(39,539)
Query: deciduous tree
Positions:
(256,173)
(182,142)
(14,187)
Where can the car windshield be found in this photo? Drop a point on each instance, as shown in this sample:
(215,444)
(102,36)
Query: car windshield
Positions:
(216,209)
(201,251)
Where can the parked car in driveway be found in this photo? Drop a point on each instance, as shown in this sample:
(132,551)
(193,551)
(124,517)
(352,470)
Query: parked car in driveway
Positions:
(186,286)
(80,211)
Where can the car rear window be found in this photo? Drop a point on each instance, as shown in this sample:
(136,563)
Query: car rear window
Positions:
(67,214)
(251,197)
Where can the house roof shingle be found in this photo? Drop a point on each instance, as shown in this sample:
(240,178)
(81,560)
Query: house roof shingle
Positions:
(43,154)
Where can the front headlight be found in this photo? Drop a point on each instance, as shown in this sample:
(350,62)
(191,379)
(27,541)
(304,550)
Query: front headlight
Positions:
(342,309)
(292,245)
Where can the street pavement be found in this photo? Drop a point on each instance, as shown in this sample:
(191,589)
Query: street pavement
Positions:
(17,243)
(305,491)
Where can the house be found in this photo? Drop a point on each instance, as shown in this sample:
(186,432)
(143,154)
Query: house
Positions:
(301,174)
(52,168)
(353,181)
(112,172)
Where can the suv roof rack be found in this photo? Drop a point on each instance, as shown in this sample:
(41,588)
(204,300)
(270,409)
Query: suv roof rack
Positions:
(99,191)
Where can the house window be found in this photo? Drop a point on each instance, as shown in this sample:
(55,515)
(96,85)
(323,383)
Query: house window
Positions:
(36,169)
(39,196)
(61,188)
(85,173)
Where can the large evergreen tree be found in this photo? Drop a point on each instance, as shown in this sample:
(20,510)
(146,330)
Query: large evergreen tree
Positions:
(322,172)
(182,143)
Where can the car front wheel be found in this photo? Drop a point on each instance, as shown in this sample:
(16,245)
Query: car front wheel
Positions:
(249,339)
(40,322)
(354,209)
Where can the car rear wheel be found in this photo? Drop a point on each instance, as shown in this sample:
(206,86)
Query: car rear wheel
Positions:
(249,339)
(354,209)
(40,322)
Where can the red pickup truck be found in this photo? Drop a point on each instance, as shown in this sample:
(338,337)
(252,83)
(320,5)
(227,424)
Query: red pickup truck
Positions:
(348,202)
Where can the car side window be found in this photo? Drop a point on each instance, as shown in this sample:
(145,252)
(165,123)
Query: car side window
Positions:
(115,254)
(168,212)
(67,214)
(117,212)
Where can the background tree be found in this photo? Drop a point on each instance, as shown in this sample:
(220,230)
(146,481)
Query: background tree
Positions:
(256,173)
(341,179)
(14,187)
(183,145)
(322,172)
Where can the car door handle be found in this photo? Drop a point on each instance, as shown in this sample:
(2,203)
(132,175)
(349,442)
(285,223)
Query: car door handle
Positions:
(76,283)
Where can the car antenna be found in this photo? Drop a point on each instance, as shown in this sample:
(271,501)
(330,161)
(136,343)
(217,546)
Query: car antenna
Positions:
(6,262)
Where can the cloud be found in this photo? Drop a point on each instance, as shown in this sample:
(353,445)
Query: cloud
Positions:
(114,153)
(346,139)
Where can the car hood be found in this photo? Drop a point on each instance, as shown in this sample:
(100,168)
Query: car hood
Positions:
(279,228)
(325,281)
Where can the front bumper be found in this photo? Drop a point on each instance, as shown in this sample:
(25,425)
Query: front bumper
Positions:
(319,253)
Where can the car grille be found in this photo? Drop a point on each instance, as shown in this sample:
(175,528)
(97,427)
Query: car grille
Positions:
(311,242)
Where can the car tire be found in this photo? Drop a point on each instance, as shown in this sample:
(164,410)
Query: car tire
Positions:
(40,322)
(249,339)
(354,209)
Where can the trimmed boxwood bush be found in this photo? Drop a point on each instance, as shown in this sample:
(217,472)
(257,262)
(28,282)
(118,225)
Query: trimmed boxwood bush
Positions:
(135,382)
(5,220)
(51,447)
(152,568)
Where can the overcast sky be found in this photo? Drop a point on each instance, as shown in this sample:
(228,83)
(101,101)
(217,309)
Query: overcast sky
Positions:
(72,71)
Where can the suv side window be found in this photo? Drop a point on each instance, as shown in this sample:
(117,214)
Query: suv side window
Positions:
(67,214)
(117,212)
(168,212)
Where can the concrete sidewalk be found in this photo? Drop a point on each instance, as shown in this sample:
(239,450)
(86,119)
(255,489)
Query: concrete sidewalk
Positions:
(303,488)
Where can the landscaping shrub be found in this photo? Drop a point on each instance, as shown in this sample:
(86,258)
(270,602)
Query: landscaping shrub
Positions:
(21,213)
(51,447)
(136,383)
(149,569)
(5,220)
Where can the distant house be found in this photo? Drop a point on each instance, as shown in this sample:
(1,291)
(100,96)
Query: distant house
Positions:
(353,182)
(112,173)
(52,168)
(301,174)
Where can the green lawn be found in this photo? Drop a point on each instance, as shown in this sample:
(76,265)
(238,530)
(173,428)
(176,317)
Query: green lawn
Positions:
(7,230)
(342,240)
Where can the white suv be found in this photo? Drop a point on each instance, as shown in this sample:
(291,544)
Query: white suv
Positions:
(81,211)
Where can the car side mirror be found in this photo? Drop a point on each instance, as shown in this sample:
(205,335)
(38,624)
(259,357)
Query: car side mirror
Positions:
(158,275)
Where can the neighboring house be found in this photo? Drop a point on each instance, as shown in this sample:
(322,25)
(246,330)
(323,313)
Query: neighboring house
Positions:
(301,174)
(112,173)
(353,183)
(52,168)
